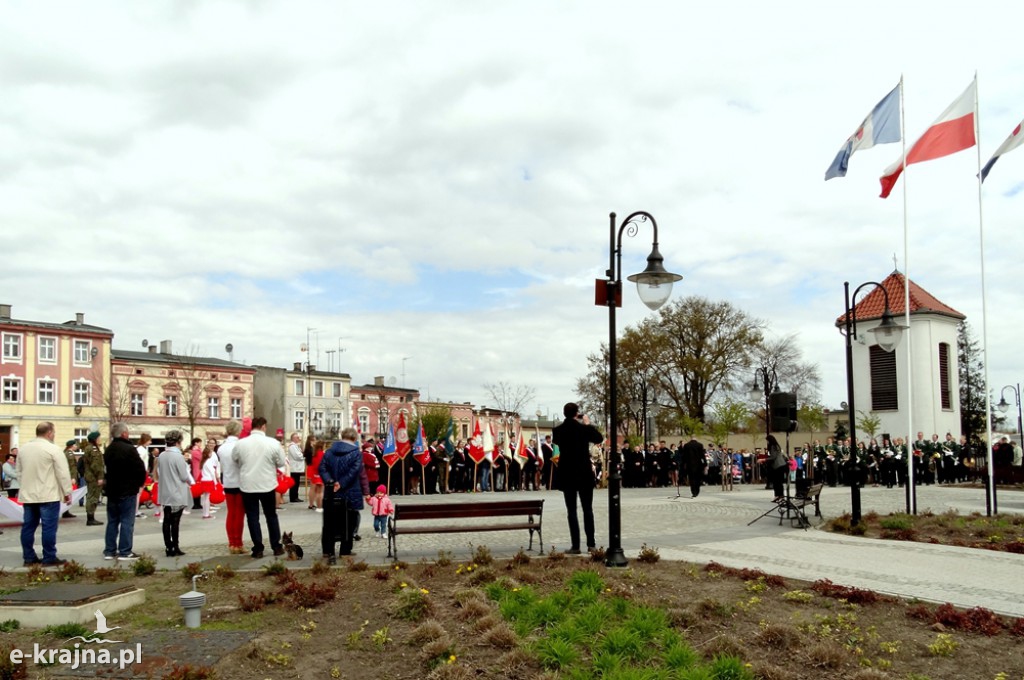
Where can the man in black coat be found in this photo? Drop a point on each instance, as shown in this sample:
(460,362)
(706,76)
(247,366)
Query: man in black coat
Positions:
(693,455)
(575,472)
(124,477)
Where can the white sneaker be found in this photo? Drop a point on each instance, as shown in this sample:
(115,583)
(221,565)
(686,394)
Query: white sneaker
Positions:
(140,514)
(319,509)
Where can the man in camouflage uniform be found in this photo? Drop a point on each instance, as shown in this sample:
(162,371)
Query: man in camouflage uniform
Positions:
(94,478)
(69,452)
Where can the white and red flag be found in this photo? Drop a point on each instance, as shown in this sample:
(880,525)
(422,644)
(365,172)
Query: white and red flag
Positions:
(522,454)
(489,441)
(476,444)
(953,131)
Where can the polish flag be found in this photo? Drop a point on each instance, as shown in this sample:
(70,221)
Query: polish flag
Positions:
(489,441)
(953,131)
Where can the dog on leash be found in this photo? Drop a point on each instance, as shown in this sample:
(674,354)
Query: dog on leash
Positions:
(294,551)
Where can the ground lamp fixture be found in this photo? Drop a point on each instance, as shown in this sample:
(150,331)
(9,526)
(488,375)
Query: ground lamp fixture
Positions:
(887,334)
(654,286)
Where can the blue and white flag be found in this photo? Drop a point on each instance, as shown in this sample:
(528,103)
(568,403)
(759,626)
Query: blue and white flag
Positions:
(882,126)
(1012,142)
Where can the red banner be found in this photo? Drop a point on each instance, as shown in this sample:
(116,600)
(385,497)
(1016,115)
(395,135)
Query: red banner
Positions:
(476,444)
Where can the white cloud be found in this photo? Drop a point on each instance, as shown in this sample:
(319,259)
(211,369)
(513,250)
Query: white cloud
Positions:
(203,171)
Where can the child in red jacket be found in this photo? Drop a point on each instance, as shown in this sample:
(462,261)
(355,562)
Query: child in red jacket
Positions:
(382,508)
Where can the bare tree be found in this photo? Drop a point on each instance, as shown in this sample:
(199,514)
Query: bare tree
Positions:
(510,398)
(192,380)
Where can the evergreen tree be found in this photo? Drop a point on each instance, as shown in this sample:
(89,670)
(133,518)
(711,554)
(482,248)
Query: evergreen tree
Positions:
(972,385)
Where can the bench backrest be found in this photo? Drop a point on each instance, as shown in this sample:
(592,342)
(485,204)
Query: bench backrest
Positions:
(813,490)
(479,509)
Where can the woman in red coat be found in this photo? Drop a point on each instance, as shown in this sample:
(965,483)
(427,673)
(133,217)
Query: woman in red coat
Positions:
(316,494)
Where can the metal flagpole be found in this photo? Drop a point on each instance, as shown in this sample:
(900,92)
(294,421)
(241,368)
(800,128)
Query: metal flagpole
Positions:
(911,495)
(992,506)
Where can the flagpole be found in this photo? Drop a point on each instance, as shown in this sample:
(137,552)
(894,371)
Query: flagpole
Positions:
(911,491)
(992,506)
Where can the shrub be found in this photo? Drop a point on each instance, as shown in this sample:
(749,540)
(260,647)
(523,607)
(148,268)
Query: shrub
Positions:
(144,566)
(482,555)
(9,670)
(648,555)
(852,595)
(66,630)
(501,636)
(312,595)
(356,565)
(520,559)
(10,625)
(428,631)
(71,571)
(944,645)
(897,522)
(437,652)
(191,569)
(412,605)
(251,603)
(275,568)
(730,668)
(107,574)
(224,571)
(444,558)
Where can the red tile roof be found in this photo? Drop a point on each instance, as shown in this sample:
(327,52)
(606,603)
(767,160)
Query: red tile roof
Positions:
(872,305)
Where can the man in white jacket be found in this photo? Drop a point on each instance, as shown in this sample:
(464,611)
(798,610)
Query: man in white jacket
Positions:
(45,481)
(258,457)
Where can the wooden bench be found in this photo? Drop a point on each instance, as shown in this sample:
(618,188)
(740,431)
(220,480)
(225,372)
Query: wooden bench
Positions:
(800,504)
(531,512)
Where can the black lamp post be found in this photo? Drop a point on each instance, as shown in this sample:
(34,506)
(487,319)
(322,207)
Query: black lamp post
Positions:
(771,384)
(888,334)
(654,286)
(1004,407)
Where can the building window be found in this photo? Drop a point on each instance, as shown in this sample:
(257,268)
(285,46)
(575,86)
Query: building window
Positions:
(213,407)
(318,388)
(884,391)
(383,419)
(81,434)
(83,352)
(47,392)
(300,421)
(12,391)
(171,408)
(317,421)
(236,407)
(336,390)
(81,393)
(945,395)
(300,387)
(335,420)
(364,420)
(136,404)
(47,350)
(465,431)
(12,348)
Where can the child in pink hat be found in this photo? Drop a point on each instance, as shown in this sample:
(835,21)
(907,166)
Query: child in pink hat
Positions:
(382,508)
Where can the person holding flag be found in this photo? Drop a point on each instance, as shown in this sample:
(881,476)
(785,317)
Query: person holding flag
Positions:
(421,454)
(444,457)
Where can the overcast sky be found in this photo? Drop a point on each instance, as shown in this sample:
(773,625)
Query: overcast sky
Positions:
(433,180)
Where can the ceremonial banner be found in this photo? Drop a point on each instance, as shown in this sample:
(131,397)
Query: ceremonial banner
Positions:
(489,441)
(419,450)
(476,444)
(521,454)
(402,437)
(449,441)
(1012,142)
(390,453)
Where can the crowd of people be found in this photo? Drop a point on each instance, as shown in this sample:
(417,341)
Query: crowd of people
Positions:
(254,474)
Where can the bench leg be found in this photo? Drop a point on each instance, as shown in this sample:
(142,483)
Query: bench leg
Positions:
(391,542)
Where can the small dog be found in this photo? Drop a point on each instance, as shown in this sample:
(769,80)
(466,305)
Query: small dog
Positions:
(294,551)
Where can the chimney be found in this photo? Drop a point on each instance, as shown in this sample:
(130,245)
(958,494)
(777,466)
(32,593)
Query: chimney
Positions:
(378,380)
(165,347)
(152,349)
(298,367)
(79,318)
(5,311)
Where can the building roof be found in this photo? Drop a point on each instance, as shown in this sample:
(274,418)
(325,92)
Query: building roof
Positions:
(315,372)
(67,326)
(872,305)
(158,358)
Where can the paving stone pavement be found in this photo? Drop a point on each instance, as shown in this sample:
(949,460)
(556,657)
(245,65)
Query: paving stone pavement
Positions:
(712,527)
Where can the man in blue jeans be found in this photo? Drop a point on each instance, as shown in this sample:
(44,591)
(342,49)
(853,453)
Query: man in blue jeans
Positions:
(125,475)
(45,481)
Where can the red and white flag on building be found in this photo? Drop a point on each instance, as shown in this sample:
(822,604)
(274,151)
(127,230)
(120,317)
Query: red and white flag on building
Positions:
(953,131)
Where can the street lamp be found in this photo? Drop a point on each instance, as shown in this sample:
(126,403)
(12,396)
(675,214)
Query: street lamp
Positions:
(1004,407)
(771,384)
(888,334)
(654,286)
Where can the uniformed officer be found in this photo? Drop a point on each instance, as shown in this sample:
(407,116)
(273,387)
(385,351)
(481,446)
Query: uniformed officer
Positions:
(69,452)
(94,477)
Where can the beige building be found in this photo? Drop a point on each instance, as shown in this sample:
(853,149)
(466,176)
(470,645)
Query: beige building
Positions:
(308,402)
(156,391)
(57,372)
